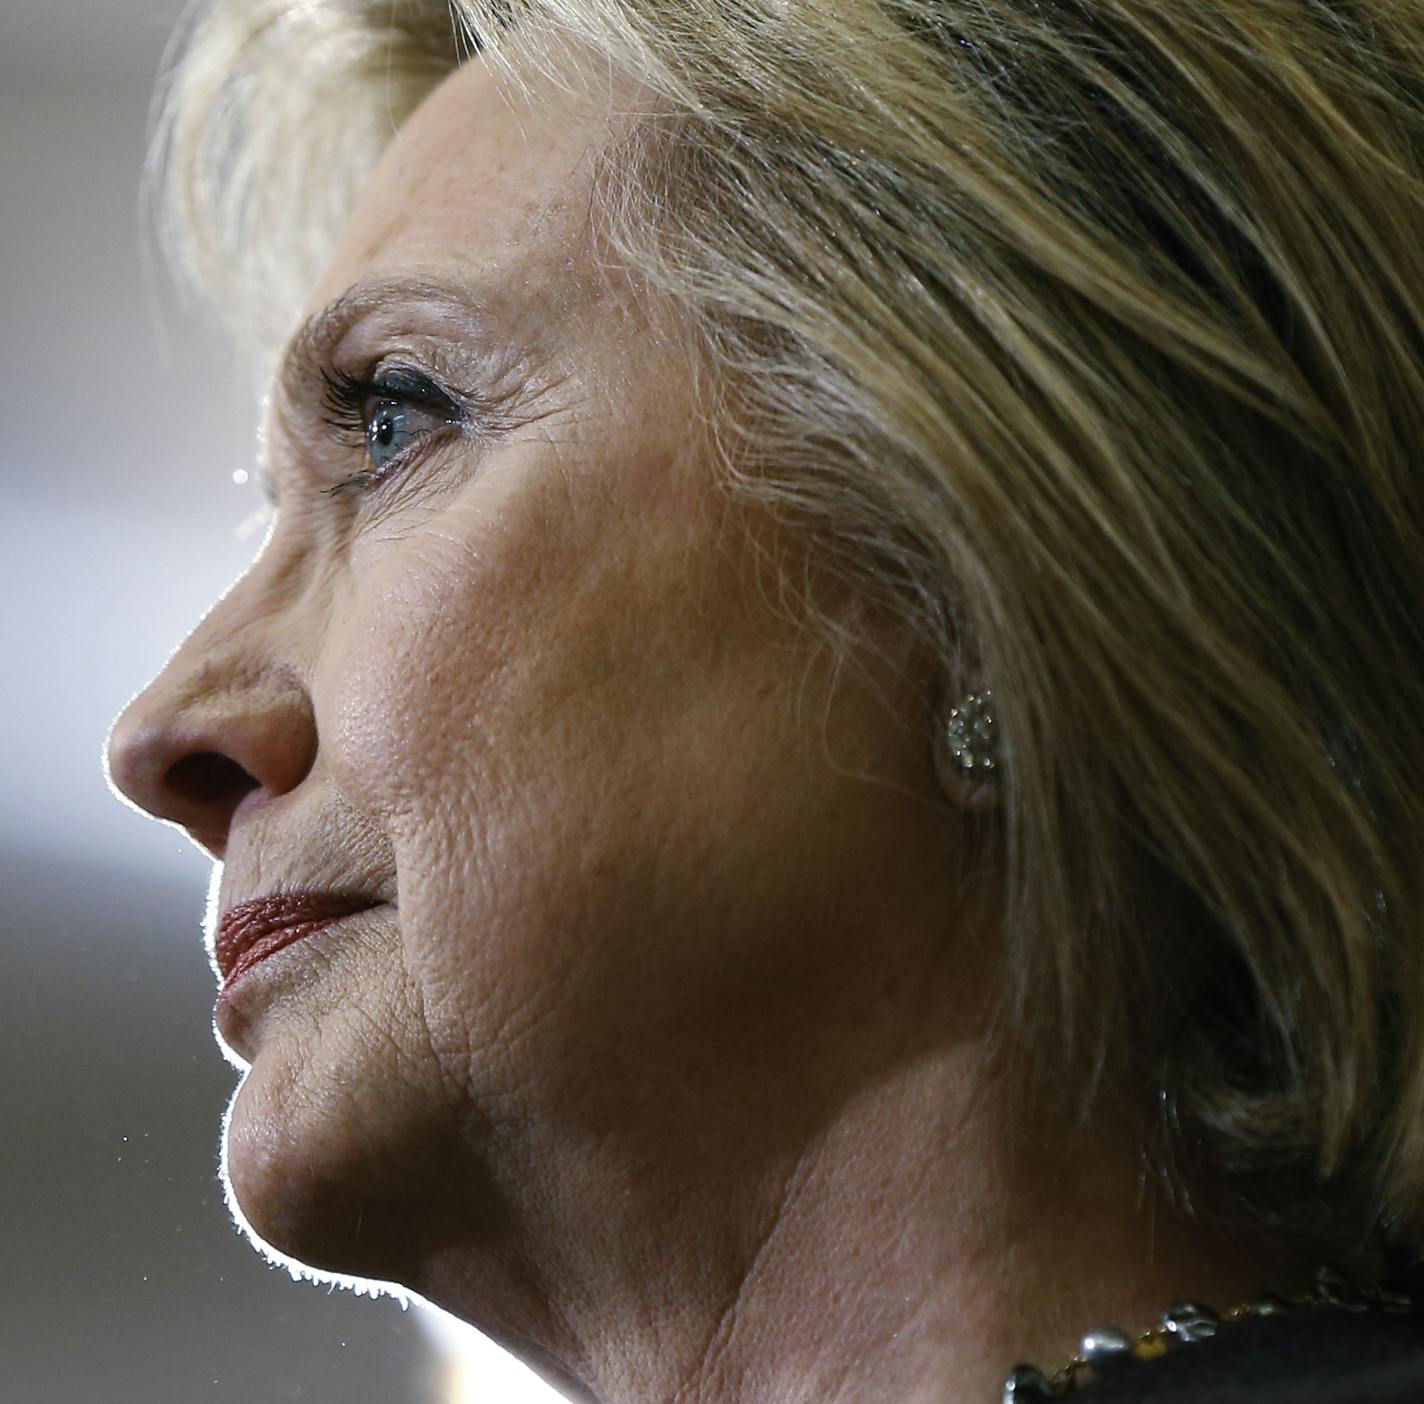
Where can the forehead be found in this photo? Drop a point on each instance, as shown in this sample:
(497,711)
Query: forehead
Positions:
(484,177)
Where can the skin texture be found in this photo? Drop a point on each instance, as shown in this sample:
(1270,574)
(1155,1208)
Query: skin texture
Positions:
(663,1058)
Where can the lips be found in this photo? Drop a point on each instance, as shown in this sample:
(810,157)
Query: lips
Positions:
(251,931)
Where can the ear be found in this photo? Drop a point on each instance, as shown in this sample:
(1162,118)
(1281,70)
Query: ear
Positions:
(967,751)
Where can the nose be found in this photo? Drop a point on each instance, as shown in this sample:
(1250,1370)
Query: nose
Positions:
(224,721)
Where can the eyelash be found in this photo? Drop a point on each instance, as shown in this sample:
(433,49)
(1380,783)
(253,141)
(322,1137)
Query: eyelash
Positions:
(345,398)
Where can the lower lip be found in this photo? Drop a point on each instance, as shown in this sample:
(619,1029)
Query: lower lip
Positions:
(275,941)
(241,1000)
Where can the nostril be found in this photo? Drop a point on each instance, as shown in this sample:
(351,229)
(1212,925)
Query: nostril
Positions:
(209,779)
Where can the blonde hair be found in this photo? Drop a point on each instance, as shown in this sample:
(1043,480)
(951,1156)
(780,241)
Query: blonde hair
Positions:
(1092,334)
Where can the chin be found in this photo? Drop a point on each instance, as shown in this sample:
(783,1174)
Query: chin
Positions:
(301,1266)
(333,1183)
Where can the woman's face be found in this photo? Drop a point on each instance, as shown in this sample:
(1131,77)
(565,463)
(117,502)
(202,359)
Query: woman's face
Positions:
(648,872)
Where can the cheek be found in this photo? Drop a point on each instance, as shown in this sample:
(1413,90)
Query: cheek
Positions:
(518,640)
(394,696)
(449,648)
(537,701)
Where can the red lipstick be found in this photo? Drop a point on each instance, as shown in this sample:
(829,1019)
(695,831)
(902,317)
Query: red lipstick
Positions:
(251,931)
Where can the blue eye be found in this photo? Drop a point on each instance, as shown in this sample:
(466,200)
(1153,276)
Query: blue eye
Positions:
(392,426)
(388,416)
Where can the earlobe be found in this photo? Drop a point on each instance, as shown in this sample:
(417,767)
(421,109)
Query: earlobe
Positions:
(967,751)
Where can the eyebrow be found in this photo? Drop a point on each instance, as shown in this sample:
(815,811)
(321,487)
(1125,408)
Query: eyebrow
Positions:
(312,346)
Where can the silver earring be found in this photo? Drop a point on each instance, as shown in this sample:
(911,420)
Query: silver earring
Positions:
(968,742)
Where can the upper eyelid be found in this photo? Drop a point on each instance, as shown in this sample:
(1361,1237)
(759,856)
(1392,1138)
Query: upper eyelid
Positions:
(346,397)
(343,389)
(462,318)
(426,389)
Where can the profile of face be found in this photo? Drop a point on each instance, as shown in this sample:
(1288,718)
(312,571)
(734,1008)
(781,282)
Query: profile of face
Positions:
(642,872)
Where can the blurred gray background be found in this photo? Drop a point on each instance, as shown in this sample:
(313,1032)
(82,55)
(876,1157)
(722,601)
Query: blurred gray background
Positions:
(122,1280)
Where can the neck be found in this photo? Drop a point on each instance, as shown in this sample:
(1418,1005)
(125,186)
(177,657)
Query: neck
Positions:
(914,1249)
(922,1249)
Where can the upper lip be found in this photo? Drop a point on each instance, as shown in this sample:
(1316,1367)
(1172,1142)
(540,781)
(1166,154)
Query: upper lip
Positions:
(242,926)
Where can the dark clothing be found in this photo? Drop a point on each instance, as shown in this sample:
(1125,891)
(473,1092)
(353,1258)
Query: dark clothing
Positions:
(1325,1356)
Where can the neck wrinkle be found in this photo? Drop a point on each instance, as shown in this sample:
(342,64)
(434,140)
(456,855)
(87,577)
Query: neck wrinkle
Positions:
(924,1246)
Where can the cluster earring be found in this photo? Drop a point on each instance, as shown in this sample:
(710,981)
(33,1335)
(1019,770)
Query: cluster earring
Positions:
(968,743)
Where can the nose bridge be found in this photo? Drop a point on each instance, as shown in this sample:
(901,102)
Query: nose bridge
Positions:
(229,717)
(245,643)
(248,643)
(237,657)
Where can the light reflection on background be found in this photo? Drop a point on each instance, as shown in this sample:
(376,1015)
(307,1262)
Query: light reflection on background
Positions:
(476,1370)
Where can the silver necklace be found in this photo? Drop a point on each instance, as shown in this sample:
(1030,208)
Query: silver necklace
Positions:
(1107,1350)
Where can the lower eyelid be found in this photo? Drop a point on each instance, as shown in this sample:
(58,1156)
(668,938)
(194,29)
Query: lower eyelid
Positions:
(368,480)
